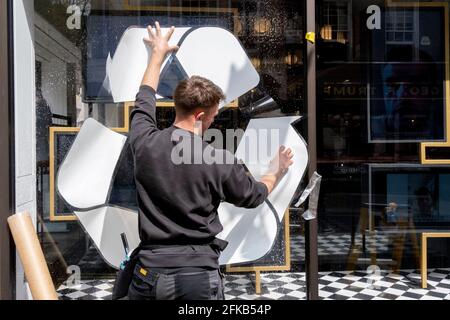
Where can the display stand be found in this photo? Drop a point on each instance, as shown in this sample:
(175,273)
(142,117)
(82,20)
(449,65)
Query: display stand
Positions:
(424,253)
(366,228)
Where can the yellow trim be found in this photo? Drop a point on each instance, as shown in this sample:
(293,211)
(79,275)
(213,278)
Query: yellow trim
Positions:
(311,37)
(258,282)
(143,272)
(412,4)
(425,145)
(171,104)
(165,104)
(258,270)
(424,253)
(235,11)
(55,217)
(128,6)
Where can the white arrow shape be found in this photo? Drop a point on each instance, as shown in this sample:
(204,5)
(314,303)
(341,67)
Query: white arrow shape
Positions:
(105,226)
(85,176)
(211,52)
(216,54)
(252,233)
(126,69)
(84,182)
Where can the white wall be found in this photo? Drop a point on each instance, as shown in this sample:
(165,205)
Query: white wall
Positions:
(25,119)
(35,39)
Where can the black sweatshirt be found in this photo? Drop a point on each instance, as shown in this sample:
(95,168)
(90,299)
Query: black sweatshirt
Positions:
(178,202)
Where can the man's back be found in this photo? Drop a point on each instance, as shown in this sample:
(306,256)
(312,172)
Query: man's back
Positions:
(178,200)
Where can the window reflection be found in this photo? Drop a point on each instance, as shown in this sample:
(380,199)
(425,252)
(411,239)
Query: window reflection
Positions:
(380,93)
(74,40)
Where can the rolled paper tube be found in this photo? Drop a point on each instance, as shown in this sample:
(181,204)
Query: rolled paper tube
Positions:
(32,257)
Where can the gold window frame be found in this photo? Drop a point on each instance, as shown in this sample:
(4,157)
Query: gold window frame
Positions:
(424,145)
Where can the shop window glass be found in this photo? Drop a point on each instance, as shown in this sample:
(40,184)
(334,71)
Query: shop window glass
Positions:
(75,39)
(382,98)
(377,186)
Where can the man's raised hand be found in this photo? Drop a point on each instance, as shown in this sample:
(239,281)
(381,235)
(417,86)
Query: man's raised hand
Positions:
(159,43)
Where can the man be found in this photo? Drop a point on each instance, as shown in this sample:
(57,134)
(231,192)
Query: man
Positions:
(178,203)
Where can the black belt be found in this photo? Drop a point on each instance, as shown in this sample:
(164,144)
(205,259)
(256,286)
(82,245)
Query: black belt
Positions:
(218,244)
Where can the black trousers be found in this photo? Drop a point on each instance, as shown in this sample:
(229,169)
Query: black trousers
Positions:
(151,285)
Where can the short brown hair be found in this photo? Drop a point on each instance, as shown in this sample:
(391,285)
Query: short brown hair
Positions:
(195,93)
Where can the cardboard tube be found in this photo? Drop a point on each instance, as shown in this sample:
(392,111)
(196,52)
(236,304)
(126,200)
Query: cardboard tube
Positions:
(32,257)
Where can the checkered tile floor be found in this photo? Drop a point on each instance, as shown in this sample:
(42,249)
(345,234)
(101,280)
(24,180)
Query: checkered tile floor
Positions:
(355,285)
(329,244)
(338,244)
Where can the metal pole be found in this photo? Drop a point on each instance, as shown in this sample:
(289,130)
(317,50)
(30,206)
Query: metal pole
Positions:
(311,227)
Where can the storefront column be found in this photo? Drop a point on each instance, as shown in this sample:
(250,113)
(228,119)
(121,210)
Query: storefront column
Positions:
(24,121)
(7,274)
(312,265)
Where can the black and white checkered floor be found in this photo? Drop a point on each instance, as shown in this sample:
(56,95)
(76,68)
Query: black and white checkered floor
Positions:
(338,244)
(356,285)
(328,244)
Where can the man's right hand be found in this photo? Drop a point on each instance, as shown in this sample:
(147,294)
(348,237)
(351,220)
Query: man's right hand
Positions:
(160,49)
(278,168)
(159,43)
(282,161)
